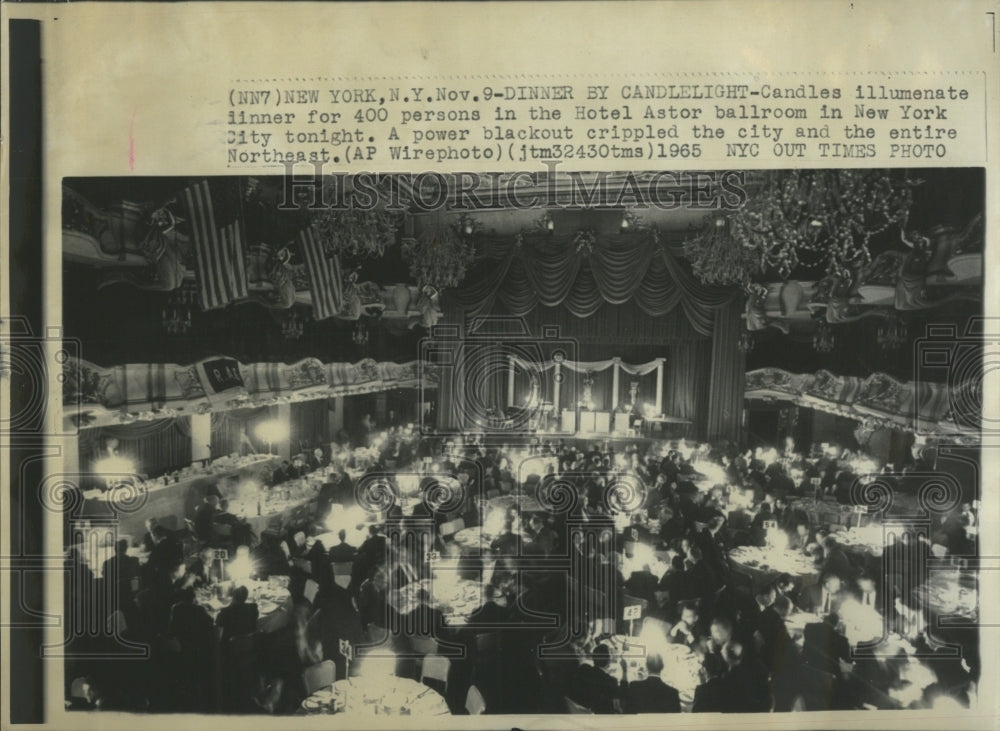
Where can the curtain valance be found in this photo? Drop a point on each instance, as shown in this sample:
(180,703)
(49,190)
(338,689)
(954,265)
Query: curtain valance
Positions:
(581,272)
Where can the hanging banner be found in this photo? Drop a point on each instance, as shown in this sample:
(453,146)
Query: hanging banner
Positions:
(221,379)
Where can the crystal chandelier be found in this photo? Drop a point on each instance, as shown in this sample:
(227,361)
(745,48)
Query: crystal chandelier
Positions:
(292,326)
(176,320)
(746,342)
(823,340)
(176,315)
(892,333)
(360,334)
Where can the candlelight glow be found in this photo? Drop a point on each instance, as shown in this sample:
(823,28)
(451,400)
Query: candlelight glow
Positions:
(382,665)
(272,431)
(240,569)
(861,623)
(110,467)
(777,539)
(714,472)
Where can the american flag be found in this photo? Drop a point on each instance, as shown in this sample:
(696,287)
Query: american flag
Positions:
(324,274)
(219,261)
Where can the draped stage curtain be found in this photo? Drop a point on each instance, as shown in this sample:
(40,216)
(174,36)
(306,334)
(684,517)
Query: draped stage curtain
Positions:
(629,296)
(552,270)
(310,427)
(228,426)
(726,393)
(156,447)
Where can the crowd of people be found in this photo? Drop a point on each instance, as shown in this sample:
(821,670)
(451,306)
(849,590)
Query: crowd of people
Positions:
(607,525)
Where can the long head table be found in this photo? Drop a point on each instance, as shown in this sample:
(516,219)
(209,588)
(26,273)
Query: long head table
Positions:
(177,500)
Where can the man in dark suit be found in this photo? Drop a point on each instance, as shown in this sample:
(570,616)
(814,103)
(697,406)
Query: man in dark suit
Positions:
(166,553)
(868,592)
(835,561)
(493,610)
(824,647)
(651,695)
(594,687)
(240,617)
(343,552)
(825,597)
(121,570)
(204,518)
(747,682)
(543,538)
(508,543)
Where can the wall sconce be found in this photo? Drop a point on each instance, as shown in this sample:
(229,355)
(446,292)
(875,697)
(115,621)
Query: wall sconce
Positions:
(467,225)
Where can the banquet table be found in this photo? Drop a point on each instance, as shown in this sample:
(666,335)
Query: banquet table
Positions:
(828,512)
(869,539)
(681,666)
(524,503)
(177,499)
(474,539)
(455,598)
(761,563)
(376,696)
(95,554)
(274,603)
(950,593)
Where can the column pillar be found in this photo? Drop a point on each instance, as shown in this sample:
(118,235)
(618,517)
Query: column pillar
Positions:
(556,383)
(201,437)
(284,417)
(659,386)
(614,385)
(510,380)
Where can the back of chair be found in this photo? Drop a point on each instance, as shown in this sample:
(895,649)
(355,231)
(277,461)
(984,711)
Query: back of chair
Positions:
(435,667)
(475,704)
(342,573)
(573,707)
(310,590)
(451,527)
(488,643)
(320,675)
(424,645)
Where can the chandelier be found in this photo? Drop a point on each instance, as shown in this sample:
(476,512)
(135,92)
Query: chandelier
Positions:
(292,326)
(176,315)
(892,333)
(810,218)
(823,340)
(360,335)
(746,342)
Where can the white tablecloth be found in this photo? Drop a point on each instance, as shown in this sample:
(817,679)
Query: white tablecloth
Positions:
(377,696)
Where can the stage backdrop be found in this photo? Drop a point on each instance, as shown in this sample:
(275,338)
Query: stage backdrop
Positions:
(703,374)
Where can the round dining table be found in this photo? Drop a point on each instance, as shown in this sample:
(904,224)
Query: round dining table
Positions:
(455,598)
(681,666)
(762,563)
(274,602)
(376,696)
(474,539)
(524,503)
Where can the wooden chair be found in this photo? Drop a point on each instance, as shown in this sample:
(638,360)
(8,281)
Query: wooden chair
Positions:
(320,675)
(435,667)
(475,704)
